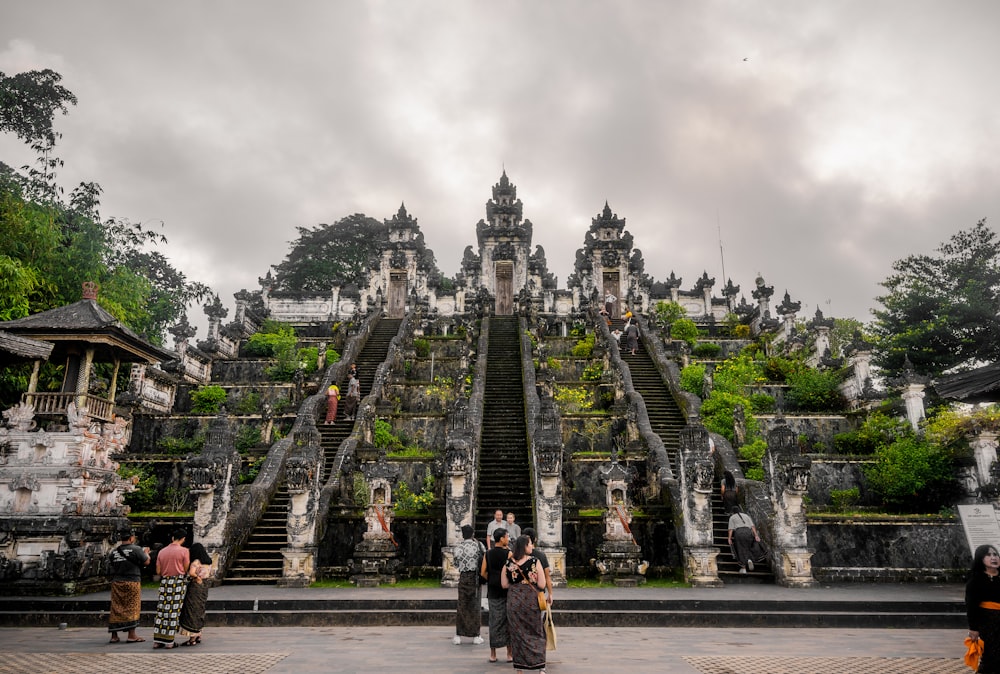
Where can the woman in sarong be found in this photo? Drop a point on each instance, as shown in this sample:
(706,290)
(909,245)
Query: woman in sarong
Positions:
(468,557)
(982,605)
(492,570)
(126,561)
(193,614)
(743,539)
(171,564)
(523,578)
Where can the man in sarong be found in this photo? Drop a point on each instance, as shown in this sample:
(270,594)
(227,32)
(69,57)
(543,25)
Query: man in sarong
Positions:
(468,559)
(171,564)
(126,562)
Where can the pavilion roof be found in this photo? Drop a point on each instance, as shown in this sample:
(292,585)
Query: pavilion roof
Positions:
(975,386)
(86,322)
(23,347)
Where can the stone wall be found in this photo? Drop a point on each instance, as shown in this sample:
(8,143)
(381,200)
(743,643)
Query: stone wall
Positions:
(838,473)
(889,550)
(654,533)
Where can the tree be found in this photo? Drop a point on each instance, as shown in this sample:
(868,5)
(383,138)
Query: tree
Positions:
(941,311)
(28,104)
(328,255)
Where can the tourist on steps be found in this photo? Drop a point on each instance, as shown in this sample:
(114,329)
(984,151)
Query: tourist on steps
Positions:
(982,606)
(496,523)
(492,569)
(743,539)
(513,530)
(468,560)
(353,397)
(730,491)
(332,398)
(523,578)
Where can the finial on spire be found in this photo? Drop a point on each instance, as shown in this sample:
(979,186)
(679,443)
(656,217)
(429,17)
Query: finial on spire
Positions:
(89,290)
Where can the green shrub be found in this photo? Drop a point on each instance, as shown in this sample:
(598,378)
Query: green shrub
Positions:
(777,369)
(571,399)
(332,356)
(271,339)
(593,372)
(144,497)
(422,347)
(553,363)
(842,500)
(693,379)
(175,446)
(585,347)
(247,438)
(753,454)
(761,403)
(250,469)
(666,313)
(384,437)
(706,350)
(910,474)
(735,375)
(408,502)
(207,399)
(876,431)
(684,329)
(812,390)
(308,358)
(249,403)
(359,489)
(717,414)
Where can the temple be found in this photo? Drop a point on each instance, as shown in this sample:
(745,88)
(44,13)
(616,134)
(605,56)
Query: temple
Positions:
(495,390)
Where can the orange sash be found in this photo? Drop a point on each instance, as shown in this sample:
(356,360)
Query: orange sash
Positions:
(990,604)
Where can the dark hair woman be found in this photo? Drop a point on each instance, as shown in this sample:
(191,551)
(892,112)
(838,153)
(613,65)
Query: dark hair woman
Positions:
(730,492)
(523,579)
(982,605)
(192,619)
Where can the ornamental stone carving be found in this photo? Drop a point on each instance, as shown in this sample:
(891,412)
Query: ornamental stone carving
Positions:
(21,417)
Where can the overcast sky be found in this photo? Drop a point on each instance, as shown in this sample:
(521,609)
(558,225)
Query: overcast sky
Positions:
(823,140)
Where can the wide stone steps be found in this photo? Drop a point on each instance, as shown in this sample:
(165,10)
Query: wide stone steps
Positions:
(260,560)
(589,612)
(665,417)
(504,480)
(729,569)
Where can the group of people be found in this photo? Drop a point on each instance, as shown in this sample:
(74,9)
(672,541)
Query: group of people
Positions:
(183,594)
(518,589)
(351,401)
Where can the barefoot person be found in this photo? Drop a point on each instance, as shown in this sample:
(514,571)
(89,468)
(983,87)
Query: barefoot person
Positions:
(126,561)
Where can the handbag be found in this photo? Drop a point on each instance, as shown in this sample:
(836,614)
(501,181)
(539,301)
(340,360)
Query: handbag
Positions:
(542,606)
(550,632)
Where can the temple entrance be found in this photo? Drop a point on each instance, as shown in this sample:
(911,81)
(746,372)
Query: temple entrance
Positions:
(505,288)
(610,285)
(397,294)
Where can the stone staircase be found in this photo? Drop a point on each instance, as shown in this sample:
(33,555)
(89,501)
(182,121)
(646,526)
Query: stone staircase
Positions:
(665,416)
(575,608)
(504,463)
(259,562)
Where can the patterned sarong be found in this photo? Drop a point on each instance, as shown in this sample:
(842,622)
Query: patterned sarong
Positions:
(524,622)
(469,617)
(499,638)
(193,613)
(168,609)
(126,603)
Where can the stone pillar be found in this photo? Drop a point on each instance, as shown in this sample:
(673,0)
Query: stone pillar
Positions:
(787,479)
(696,482)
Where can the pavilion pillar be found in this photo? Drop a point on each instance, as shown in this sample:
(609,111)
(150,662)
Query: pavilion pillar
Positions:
(83,377)
(113,389)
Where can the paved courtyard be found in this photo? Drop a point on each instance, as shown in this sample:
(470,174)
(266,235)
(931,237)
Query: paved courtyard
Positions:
(363,650)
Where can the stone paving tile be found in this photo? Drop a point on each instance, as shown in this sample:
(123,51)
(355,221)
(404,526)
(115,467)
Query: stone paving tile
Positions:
(783,665)
(146,663)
